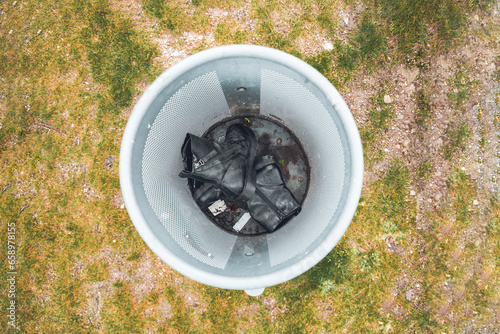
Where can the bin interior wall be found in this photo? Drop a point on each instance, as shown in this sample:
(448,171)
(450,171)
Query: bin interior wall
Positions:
(208,94)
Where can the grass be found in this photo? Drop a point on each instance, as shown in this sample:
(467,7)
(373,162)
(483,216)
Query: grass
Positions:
(458,136)
(71,71)
(364,50)
(461,87)
(453,265)
(224,33)
(326,17)
(369,40)
(424,111)
(380,115)
(120,314)
(428,24)
(425,169)
(172,16)
(117,56)
(271,37)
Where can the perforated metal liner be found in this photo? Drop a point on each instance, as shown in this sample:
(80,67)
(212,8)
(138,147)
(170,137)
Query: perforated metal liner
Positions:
(204,89)
(160,168)
(286,98)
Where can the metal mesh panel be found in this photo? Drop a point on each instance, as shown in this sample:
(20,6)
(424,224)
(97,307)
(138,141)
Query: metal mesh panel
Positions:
(199,101)
(307,116)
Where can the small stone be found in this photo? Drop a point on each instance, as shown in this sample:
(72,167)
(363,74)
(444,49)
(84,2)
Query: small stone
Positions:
(387,99)
(328,46)
(410,294)
(475,202)
(398,147)
(412,193)
(429,200)
(476,17)
(108,162)
(406,143)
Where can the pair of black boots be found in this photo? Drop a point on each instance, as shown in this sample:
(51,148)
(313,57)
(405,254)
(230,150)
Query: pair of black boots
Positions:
(231,172)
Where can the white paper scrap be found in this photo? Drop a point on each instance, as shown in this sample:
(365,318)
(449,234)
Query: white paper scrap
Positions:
(217,207)
(242,222)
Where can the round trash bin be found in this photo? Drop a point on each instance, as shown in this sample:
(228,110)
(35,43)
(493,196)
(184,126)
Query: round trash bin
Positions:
(200,91)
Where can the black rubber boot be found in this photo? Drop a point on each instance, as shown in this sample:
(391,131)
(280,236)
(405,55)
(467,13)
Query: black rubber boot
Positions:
(273,203)
(224,169)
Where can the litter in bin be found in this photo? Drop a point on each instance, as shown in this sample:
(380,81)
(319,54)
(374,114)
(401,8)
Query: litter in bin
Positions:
(217,207)
(230,174)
